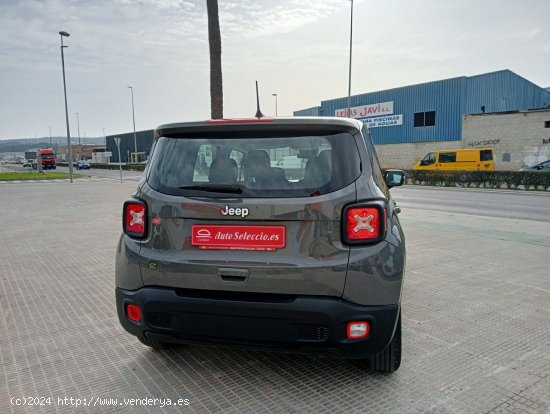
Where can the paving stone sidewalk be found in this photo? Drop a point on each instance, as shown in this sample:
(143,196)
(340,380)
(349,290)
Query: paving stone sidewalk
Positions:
(476,323)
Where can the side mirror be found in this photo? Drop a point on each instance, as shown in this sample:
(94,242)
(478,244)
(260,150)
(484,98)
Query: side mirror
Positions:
(394,178)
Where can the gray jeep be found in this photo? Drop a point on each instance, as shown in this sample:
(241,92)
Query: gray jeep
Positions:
(222,246)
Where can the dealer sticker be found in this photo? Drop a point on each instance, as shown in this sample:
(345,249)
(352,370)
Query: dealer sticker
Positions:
(222,237)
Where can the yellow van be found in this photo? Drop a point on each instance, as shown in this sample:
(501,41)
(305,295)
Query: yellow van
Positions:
(472,159)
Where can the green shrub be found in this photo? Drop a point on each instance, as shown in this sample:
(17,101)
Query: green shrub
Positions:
(481,179)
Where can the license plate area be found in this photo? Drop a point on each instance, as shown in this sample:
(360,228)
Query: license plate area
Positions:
(226,237)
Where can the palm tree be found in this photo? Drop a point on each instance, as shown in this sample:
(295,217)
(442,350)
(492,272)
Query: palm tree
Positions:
(215,44)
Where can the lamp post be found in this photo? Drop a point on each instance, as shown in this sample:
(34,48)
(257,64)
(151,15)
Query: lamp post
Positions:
(78,126)
(350,44)
(134,121)
(70,155)
(275,95)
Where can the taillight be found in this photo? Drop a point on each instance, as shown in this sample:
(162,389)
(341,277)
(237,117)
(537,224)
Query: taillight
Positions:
(134,218)
(133,312)
(364,223)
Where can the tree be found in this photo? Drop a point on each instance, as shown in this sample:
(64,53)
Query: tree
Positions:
(215,45)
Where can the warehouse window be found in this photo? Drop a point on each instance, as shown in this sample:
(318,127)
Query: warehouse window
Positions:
(419,119)
(429,119)
(424,119)
(547,124)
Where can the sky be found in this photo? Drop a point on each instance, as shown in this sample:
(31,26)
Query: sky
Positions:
(298,49)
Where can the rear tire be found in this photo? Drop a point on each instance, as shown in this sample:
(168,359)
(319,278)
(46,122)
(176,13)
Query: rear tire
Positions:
(389,359)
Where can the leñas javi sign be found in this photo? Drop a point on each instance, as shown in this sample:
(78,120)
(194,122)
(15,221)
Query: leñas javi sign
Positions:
(384,108)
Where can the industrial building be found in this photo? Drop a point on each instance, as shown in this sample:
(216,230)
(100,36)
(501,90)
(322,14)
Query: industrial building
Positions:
(143,141)
(408,122)
(519,138)
(80,151)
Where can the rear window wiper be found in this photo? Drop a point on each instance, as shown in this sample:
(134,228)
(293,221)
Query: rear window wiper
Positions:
(219,188)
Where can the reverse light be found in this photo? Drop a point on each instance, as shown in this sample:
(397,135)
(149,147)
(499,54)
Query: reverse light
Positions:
(358,329)
(133,312)
(134,219)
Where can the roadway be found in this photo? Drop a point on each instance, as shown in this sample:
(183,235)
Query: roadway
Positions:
(513,204)
(102,173)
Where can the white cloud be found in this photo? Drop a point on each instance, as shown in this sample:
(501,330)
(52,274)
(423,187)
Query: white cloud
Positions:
(297,48)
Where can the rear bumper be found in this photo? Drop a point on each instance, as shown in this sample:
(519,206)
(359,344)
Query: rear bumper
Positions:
(289,323)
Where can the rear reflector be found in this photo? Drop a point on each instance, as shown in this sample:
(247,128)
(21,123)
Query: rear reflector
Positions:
(133,312)
(358,329)
(135,218)
(363,223)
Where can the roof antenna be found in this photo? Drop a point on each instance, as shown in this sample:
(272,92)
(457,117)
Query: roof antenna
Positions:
(258,112)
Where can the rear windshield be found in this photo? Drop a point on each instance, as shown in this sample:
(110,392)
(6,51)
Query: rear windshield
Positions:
(286,166)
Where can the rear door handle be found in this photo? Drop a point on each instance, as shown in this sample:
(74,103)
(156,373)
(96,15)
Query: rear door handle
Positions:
(232,275)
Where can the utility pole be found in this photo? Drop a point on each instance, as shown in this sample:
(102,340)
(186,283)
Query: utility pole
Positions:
(70,154)
(134,121)
(350,49)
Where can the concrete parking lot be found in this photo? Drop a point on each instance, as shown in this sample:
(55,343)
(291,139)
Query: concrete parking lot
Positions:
(476,323)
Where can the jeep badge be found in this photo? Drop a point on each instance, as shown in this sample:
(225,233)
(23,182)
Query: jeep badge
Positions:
(243,212)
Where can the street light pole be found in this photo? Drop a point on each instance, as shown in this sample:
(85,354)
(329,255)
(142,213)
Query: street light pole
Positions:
(350,45)
(70,155)
(275,95)
(134,121)
(78,126)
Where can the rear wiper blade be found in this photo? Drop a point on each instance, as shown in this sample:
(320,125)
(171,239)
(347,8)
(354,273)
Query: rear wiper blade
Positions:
(233,189)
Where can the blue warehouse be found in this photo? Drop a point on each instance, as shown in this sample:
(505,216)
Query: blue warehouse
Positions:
(430,115)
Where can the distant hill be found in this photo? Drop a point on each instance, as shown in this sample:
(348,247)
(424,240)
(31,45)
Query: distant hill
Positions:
(27,144)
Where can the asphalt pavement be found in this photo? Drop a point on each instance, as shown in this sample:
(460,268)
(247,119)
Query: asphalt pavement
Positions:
(512,204)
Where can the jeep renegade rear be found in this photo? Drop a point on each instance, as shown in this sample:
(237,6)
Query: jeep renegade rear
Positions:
(221,245)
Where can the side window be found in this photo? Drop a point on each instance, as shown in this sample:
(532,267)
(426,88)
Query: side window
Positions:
(506,157)
(428,159)
(447,157)
(202,163)
(486,155)
(546,166)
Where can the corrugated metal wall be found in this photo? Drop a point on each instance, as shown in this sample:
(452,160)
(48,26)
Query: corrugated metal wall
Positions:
(444,97)
(503,91)
(314,111)
(144,141)
(450,99)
